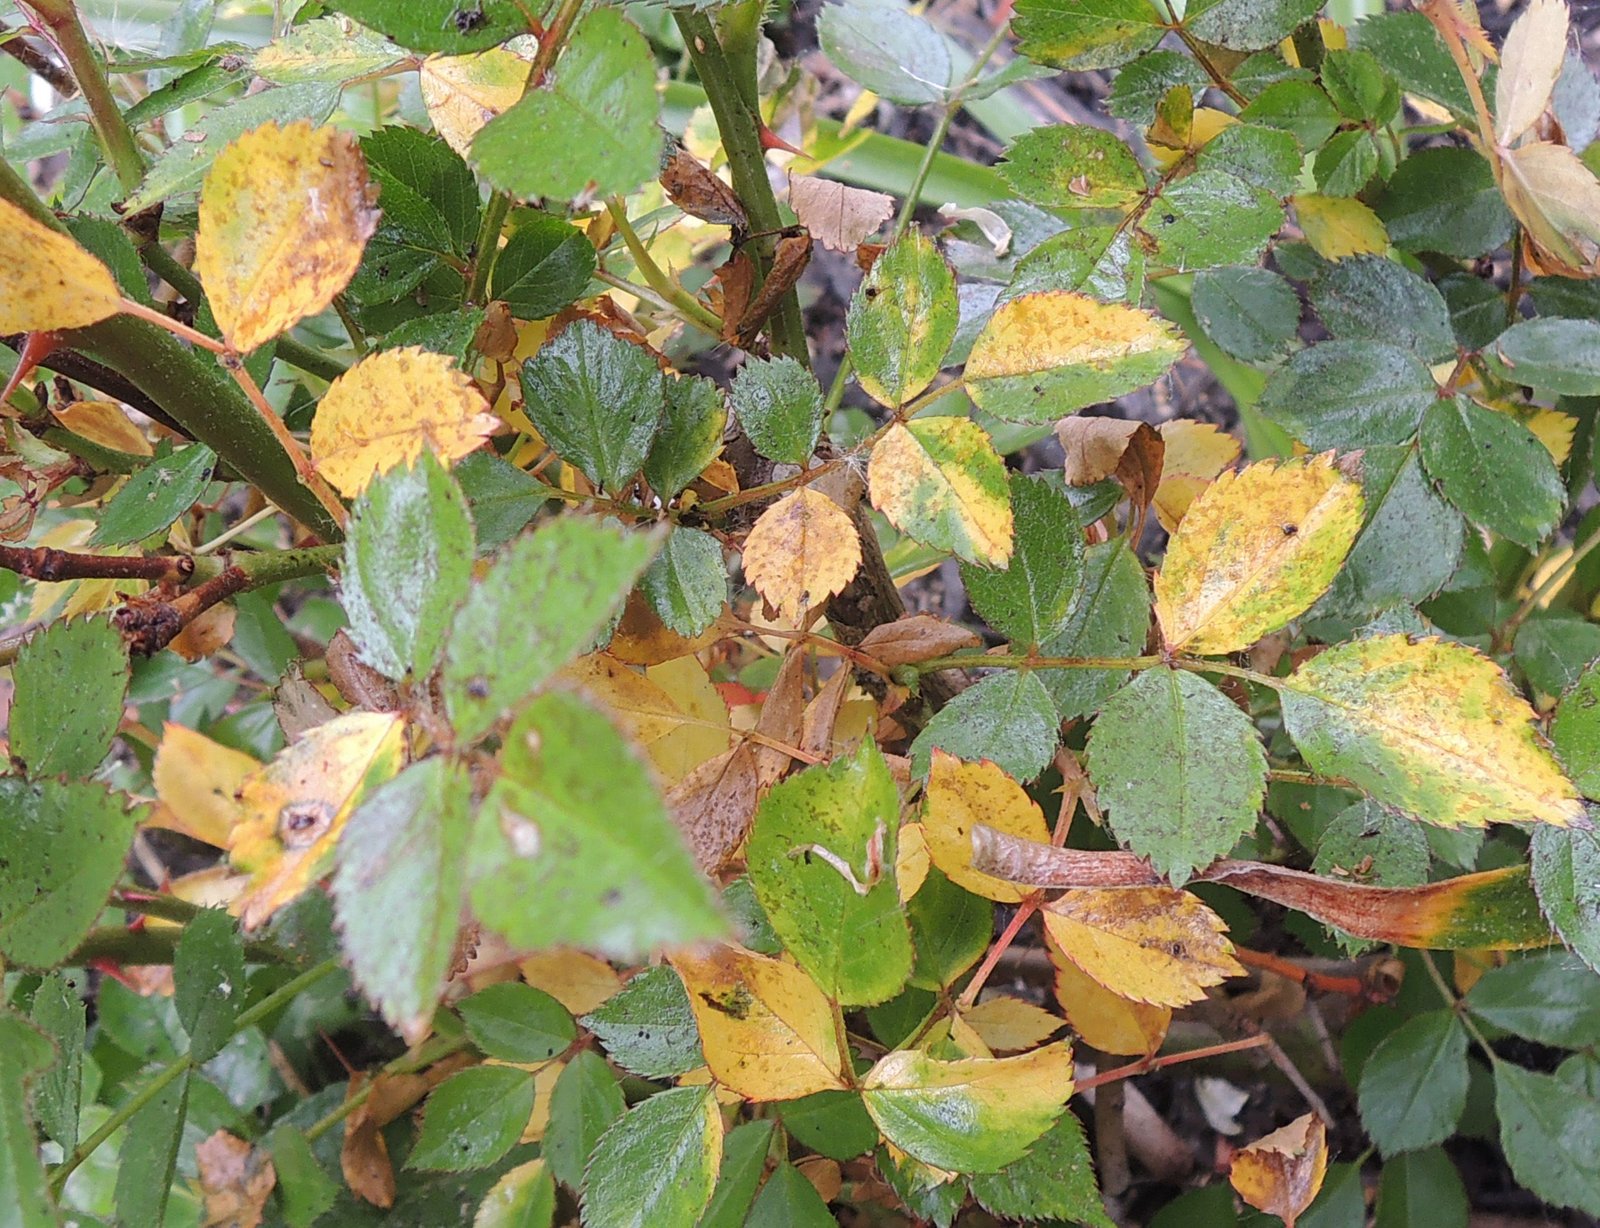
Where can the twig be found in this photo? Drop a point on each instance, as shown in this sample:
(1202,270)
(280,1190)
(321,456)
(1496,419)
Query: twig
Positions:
(1146,1064)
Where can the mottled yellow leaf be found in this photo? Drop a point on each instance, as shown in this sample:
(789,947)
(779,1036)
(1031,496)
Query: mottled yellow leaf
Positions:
(1432,728)
(765,1028)
(387,408)
(1197,452)
(1102,1019)
(1340,226)
(296,806)
(104,423)
(46,280)
(941,481)
(802,551)
(1009,1025)
(464,92)
(1156,945)
(1281,1173)
(576,979)
(1530,62)
(284,216)
(1255,549)
(962,794)
(197,781)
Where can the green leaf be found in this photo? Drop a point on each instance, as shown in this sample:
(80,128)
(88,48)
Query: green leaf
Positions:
(1101,261)
(525,1197)
(789,1199)
(1369,298)
(546,597)
(1550,998)
(1110,619)
(148,1159)
(1296,107)
(923,1191)
(1073,166)
(587,1099)
(779,405)
(1080,34)
(1409,547)
(1345,164)
(831,1123)
(647,1027)
(24,1054)
(1393,849)
(596,399)
(407,566)
(1055,1181)
(1210,218)
(398,888)
(1477,309)
(1248,25)
(1493,469)
(884,48)
(1349,394)
(517,1023)
(1551,355)
(62,843)
(821,857)
(70,680)
(453,27)
(1179,769)
(1008,717)
(306,1190)
(149,501)
(324,49)
(658,1164)
(744,1159)
(1251,313)
(1445,200)
(1576,732)
(902,320)
(594,122)
(544,266)
(690,436)
(1546,1131)
(687,584)
(1031,599)
(502,497)
(58,1011)
(1138,89)
(430,170)
(1359,87)
(950,929)
(1263,157)
(473,1118)
(1566,877)
(1414,1085)
(208,970)
(1553,648)
(446,332)
(1421,1187)
(574,845)
(406,248)
(1409,49)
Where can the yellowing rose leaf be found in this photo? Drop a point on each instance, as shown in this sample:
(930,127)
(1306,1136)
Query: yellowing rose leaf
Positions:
(46,280)
(802,551)
(296,806)
(973,1115)
(387,408)
(1557,198)
(1340,226)
(1156,945)
(941,481)
(1430,727)
(1041,356)
(1104,1020)
(963,794)
(1197,453)
(1281,1173)
(104,423)
(197,781)
(464,92)
(285,214)
(1010,1025)
(576,979)
(679,732)
(1530,62)
(765,1028)
(1257,548)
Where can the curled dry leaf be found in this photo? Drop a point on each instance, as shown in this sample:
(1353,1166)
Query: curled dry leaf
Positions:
(838,217)
(715,804)
(285,214)
(1530,62)
(698,192)
(387,408)
(916,637)
(46,280)
(464,92)
(1097,448)
(802,551)
(782,719)
(235,1180)
(1281,1173)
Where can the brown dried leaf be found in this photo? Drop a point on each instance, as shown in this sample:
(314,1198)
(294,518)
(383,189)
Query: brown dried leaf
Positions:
(1281,1173)
(1099,448)
(789,260)
(235,1179)
(699,193)
(838,217)
(496,338)
(714,805)
(737,277)
(204,635)
(822,715)
(781,719)
(298,705)
(916,637)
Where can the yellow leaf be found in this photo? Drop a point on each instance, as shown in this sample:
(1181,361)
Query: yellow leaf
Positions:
(1552,428)
(544,1086)
(464,92)
(296,806)
(104,423)
(46,280)
(1281,1173)
(704,731)
(387,408)
(677,740)
(1340,226)
(1009,1025)
(802,551)
(1104,1020)
(1530,62)
(941,481)
(198,781)
(1155,945)
(911,860)
(963,794)
(284,216)
(576,979)
(1257,548)
(1557,198)
(765,1028)
(1197,452)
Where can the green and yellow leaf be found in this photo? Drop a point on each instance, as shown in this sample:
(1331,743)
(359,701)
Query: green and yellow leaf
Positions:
(940,481)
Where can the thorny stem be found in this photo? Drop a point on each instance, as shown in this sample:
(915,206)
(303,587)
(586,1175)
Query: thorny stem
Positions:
(1436,12)
(50,565)
(649,295)
(1147,1064)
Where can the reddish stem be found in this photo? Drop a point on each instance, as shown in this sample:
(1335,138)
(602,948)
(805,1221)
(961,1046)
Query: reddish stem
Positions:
(44,563)
(1146,1064)
(1025,909)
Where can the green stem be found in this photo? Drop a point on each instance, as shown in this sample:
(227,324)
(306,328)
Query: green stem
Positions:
(1552,584)
(1459,1010)
(1022,660)
(270,566)
(487,246)
(656,278)
(309,359)
(153,945)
